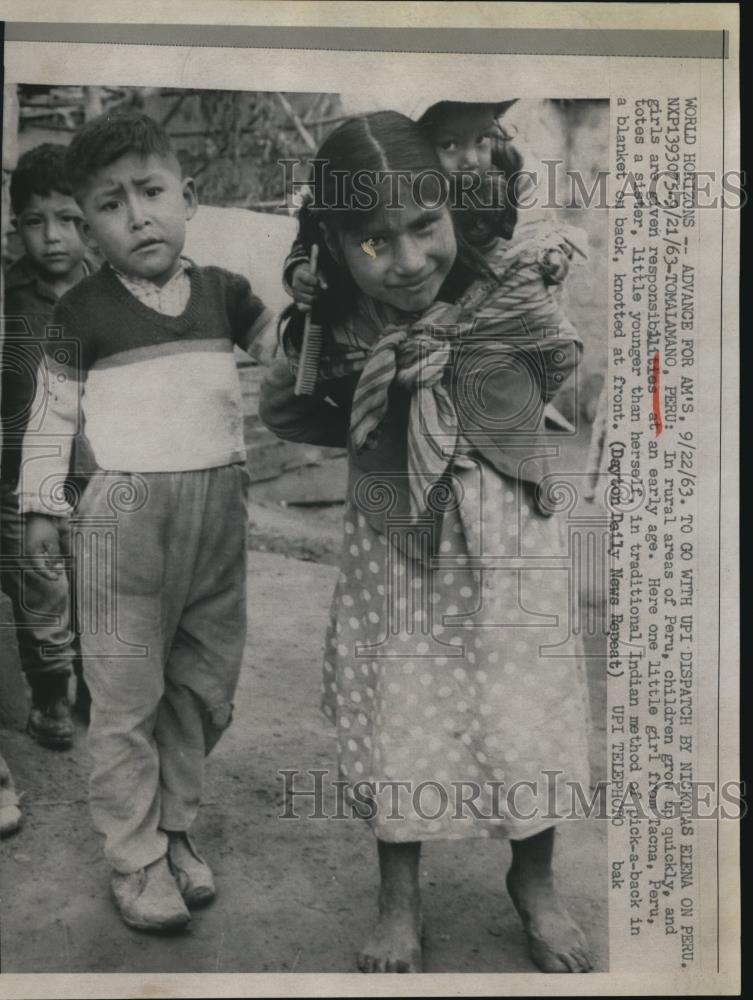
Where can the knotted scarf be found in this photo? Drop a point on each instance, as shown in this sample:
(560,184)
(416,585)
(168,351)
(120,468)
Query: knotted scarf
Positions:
(415,358)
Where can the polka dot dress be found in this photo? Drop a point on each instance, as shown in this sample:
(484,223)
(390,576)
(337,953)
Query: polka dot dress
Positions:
(458,694)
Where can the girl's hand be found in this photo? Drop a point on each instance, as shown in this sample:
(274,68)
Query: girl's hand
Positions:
(306,286)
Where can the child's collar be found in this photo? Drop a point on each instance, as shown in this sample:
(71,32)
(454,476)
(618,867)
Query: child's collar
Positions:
(184,265)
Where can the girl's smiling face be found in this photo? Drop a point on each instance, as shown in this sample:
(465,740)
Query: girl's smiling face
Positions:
(463,138)
(402,256)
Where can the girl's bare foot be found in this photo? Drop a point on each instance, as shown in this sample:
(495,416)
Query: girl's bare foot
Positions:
(555,941)
(395,943)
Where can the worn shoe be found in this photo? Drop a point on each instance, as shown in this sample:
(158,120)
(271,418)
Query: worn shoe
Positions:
(191,872)
(50,724)
(149,900)
(10,814)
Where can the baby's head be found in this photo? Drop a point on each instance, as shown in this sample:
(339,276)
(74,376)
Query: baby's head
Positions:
(463,133)
(46,216)
(468,138)
(128,182)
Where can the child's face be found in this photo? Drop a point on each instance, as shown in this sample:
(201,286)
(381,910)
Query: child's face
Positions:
(136,211)
(463,139)
(49,230)
(410,252)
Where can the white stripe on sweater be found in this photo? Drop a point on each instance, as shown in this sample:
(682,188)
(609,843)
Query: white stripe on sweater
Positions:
(166,414)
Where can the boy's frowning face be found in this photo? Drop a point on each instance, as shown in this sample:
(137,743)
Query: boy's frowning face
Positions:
(136,211)
(49,230)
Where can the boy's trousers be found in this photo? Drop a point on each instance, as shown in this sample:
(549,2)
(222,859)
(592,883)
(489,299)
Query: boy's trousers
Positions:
(47,644)
(161,564)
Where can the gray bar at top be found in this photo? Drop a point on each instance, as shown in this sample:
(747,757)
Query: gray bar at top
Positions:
(518,41)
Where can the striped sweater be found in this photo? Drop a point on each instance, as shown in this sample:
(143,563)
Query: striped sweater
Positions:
(159,393)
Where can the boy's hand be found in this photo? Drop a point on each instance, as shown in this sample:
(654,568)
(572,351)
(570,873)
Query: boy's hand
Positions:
(43,545)
(306,286)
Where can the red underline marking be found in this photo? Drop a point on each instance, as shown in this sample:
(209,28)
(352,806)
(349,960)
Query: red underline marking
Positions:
(655,397)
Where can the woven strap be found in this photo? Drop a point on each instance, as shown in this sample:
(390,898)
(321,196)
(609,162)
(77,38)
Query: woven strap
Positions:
(416,361)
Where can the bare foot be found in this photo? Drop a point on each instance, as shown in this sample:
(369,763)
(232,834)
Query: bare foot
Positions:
(555,941)
(395,943)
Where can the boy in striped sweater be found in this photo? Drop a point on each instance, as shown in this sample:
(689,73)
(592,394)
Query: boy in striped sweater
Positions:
(147,350)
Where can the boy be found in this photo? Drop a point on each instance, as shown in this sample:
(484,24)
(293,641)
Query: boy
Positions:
(162,403)
(46,218)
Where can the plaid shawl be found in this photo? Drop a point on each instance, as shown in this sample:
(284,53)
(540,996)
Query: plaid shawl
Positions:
(480,369)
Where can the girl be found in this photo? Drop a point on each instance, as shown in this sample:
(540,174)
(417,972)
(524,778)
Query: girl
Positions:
(467,138)
(449,672)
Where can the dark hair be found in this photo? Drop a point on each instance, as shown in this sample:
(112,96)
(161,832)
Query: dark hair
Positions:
(384,141)
(105,139)
(39,171)
(509,161)
(498,215)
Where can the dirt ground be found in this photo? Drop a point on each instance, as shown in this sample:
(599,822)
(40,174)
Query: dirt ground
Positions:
(294,895)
